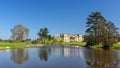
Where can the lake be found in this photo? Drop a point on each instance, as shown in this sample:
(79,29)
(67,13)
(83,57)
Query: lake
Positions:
(59,57)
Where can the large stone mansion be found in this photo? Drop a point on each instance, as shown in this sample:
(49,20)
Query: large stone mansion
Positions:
(70,37)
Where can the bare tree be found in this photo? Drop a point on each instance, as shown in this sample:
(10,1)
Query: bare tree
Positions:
(19,33)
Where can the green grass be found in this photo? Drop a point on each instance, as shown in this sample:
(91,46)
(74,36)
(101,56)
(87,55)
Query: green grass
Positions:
(116,46)
(7,45)
(99,46)
(10,44)
(74,43)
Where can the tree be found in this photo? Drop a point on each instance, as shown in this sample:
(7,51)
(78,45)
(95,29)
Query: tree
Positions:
(92,31)
(19,33)
(110,35)
(44,36)
(100,31)
(43,33)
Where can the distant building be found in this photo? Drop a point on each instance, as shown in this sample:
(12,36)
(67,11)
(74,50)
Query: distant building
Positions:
(70,37)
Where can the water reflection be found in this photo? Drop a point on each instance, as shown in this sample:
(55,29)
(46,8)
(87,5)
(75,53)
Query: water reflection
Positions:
(60,57)
(19,56)
(68,51)
(44,53)
(101,58)
(92,58)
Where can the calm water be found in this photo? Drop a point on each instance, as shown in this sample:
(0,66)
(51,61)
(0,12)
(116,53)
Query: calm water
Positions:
(59,57)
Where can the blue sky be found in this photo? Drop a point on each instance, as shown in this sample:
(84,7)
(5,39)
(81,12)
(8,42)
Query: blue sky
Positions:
(59,16)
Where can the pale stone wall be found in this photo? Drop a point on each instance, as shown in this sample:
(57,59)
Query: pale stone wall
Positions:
(72,37)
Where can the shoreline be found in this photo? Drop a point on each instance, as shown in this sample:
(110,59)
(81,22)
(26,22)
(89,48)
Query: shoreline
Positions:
(5,46)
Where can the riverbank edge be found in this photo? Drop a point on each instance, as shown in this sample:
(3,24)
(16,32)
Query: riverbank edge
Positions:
(5,46)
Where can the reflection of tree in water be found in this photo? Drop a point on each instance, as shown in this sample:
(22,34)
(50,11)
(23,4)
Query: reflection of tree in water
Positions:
(19,56)
(44,53)
(101,59)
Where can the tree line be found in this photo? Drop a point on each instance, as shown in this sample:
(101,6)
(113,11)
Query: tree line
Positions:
(20,33)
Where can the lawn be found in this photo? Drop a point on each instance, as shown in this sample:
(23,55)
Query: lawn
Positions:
(116,46)
(74,43)
(8,45)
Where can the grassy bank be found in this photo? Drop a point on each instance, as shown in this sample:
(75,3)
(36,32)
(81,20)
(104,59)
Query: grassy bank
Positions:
(8,45)
(100,46)
(74,43)
(114,46)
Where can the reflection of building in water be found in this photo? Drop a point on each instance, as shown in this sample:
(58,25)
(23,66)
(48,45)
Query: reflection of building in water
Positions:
(70,37)
(68,51)
(19,56)
(58,51)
